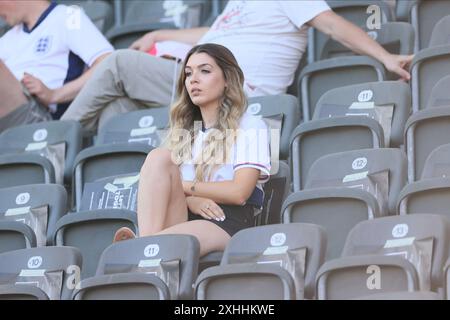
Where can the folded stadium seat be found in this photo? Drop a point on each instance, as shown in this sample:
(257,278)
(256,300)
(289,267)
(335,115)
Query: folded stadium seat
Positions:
(267,262)
(245,282)
(441,32)
(440,96)
(337,210)
(428,67)
(21,292)
(437,164)
(142,126)
(15,235)
(275,191)
(123,286)
(140,17)
(395,37)
(345,188)
(107,167)
(100,12)
(38,272)
(429,195)
(399,253)
(58,141)
(91,232)
(322,76)
(425,131)
(423,15)
(388,102)
(314,139)
(172,259)
(355,11)
(23,169)
(36,207)
(381,172)
(280,112)
(431,192)
(403,295)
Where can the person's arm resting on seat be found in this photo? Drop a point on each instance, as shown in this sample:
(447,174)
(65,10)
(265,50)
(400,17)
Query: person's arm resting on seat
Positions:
(358,41)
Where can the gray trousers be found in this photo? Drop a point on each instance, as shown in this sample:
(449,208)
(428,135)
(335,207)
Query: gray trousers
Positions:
(126,80)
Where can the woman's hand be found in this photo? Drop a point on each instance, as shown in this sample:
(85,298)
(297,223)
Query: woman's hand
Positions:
(206,208)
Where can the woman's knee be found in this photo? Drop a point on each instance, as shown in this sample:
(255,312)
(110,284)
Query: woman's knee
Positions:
(158,158)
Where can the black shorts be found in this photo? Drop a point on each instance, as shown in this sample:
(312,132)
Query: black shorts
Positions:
(236,218)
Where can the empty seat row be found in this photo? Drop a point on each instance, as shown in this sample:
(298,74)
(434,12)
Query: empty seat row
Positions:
(381,256)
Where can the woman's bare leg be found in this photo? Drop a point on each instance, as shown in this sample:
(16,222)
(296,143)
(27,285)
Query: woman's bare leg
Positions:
(210,236)
(161,199)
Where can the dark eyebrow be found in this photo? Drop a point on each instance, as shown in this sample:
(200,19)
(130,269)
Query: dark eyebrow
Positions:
(199,66)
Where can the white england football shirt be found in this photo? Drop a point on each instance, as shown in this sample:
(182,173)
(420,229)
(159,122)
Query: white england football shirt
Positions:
(267,38)
(251,150)
(56,49)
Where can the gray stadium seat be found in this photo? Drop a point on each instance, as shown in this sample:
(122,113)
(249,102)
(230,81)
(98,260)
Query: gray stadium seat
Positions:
(103,161)
(100,12)
(38,206)
(141,126)
(21,292)
(15,235)
(437,164)
(317,138)
(123,286)
(425,131)
(439,95)
(354,11)
(140,17)
(54,140)
(217,7)
(395,37)
(428,67)
(54,270)
(441,32)
(322,76)
(22,169)
(337,210)
(382,172)
(277,105)
(275,191)
(403,295)
(429,195)
(355,276)
(431,192)
(172,258)
(245,282)
(303,243)
(408,251)
(91,232)
(388,102)
(423,15)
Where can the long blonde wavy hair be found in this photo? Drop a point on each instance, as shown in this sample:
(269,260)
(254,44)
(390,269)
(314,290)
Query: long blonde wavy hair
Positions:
(184,115)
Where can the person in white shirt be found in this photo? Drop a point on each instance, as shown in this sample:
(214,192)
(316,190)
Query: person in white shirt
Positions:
(43,57)
(209,183)
(268,39)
